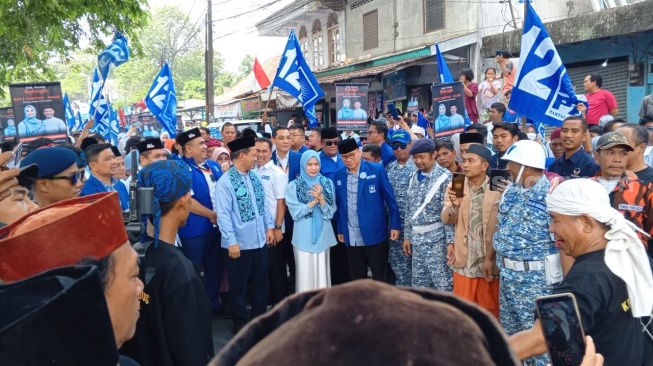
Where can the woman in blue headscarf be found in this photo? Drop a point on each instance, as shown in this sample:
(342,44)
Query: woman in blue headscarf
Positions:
(443,122)
(311,201)
(31,126)
(10,131)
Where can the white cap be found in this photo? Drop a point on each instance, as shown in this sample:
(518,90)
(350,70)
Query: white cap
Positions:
(527,153)
(417,129)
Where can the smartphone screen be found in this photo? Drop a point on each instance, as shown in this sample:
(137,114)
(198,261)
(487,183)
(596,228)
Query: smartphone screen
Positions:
(498,176)
(562,329)
(393,110)
(458,183)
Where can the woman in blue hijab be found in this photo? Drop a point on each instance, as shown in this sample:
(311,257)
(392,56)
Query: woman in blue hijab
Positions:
(311,201)
(443,122)
(31,126)
(10,131)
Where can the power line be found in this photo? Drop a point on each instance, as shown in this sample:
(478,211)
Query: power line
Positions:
(248,12)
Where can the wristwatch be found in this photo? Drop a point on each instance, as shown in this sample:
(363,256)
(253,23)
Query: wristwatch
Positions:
(278,227)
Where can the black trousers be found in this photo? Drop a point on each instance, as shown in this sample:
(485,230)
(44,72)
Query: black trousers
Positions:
(375,256)
(278,274)
(339,263)
(251,267)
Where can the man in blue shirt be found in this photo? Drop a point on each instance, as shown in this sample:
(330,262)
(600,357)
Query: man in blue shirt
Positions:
(377,133)
(364,195)
(102,164)
(246,226)
(575,162)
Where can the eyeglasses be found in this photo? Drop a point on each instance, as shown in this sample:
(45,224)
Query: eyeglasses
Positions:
(649,129)
(348,156)
(331,143)
(77,177)
(399,146)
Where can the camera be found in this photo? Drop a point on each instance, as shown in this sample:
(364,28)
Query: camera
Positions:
(141,201)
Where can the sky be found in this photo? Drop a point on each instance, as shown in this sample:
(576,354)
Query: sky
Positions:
(237,37)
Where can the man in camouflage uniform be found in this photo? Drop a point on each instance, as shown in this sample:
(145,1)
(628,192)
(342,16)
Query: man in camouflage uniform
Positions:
(399,172)
(425,236)
(522,241)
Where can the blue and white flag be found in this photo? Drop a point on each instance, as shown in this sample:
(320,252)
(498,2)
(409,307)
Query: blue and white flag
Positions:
(100,109)
(68,112)
(96,91)
(295,77)
(443,69)
(162,100)
(539,126)
(542,91)
(114,126)
(79,124)
(116,54)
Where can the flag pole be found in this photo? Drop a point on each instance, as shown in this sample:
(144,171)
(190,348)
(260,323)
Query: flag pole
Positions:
(524,119)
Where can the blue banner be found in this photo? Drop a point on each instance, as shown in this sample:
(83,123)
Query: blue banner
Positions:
(443,69)
(96,91)
(68,113)
(116,54)
(162,101)
(543,91)
(295,77)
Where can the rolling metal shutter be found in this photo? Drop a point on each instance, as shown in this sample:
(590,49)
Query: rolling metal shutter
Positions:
(615,80)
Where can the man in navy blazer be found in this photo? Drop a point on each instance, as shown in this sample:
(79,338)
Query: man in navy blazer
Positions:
(283,157)
(363,196)
(102,163)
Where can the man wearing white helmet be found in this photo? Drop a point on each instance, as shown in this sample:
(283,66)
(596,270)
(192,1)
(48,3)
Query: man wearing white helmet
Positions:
(528,260)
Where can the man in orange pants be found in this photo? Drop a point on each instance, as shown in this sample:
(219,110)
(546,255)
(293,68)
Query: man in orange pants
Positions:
(474,216)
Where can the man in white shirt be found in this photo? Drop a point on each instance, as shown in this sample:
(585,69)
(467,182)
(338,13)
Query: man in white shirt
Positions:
(274,181)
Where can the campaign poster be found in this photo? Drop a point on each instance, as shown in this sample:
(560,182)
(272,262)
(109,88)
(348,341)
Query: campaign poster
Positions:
(352,106)
(374,103)
(7,124)
(38,111)
(151,127)
(413,103)
(448,109)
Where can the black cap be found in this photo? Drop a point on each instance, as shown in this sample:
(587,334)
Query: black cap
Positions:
(329,133)
(184,137)
(116,151)
(46,316)
(347,145)
(88,141)
(612,139)
(132,142)
(242,143)
(471,138)
(248,132)
(149,144)
(479,150)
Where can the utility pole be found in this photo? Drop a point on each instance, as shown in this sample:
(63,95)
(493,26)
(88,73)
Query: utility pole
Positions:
(208,59)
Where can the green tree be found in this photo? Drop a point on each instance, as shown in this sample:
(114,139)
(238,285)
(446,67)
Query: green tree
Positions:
(33,32)
(245,67)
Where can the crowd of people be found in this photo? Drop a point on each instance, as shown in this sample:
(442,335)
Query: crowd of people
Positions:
(239,224)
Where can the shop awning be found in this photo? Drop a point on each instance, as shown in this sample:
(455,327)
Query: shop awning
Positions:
(374,70)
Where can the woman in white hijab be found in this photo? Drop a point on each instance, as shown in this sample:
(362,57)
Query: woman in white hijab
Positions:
(611,277)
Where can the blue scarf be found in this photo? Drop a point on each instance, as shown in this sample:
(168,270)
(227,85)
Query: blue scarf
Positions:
(171,180)
(242,194)
(306,182)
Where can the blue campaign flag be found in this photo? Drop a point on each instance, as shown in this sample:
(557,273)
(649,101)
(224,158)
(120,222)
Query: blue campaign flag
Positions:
(114,126)
(101,109)
(116,54)
(542,91)
(162,100)
(443,69)
(68,111)
(295,77)
(96,91)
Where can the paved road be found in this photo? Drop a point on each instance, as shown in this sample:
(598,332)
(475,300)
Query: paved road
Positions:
(221,333)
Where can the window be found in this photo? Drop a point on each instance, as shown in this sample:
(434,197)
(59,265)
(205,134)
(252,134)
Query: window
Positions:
(335,54)
(371,30)
(303,41)
(318,45)
(433,15)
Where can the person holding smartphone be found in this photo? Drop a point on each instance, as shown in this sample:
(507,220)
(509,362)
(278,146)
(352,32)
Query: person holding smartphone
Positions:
(611,277)
(471,257)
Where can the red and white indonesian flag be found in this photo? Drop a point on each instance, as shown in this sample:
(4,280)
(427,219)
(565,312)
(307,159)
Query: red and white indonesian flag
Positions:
(261,80)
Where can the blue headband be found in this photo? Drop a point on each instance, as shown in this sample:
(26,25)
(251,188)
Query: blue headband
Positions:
(171,180)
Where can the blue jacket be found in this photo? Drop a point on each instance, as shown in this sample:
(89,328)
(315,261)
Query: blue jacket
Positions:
(375,198)
(328,167)
(199,225)
(294,162)
(386,154)
(301,150)
(93,186)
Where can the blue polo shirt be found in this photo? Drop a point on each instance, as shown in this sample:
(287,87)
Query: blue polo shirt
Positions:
(578,165)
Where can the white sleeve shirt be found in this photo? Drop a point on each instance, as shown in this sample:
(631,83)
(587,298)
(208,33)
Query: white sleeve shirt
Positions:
(274,182)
